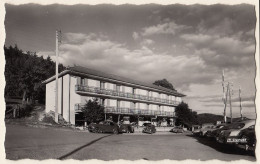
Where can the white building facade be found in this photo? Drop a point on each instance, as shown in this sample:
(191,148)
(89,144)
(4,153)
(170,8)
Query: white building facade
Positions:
(118,95)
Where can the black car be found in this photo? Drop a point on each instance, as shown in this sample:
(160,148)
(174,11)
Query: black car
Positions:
(249,136)
(104,127)
(126,128)
(149,128)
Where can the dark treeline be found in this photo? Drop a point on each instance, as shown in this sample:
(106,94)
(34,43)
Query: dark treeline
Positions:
(24,73)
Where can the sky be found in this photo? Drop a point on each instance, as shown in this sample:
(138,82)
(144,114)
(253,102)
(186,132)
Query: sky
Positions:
(189,45)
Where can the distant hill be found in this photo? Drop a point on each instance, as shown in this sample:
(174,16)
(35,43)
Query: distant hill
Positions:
(209,118)
(213,118)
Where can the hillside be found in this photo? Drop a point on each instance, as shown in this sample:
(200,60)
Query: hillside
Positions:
(212,118)
(24,72)
(209,118)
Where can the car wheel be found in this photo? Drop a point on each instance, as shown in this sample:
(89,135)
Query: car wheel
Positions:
(95,130)
(115,131)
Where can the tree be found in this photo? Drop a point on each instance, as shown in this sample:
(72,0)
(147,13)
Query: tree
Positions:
(24,73)
(164,83)
(93,111)
(185,115)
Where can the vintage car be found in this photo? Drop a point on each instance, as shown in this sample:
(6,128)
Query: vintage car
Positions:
(104,127)
(126,128)
(249,136)
(230,135)
(177,129)
(204,128)
(215,133)
(210,132)
(149,128)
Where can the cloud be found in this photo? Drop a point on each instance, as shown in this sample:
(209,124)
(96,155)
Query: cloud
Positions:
(147,42)
(45,54)
(165,28)
(221,52)
(223,28)
(142,64)
(135,35)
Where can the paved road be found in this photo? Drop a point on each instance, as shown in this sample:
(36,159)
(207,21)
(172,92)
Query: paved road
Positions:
(38,143)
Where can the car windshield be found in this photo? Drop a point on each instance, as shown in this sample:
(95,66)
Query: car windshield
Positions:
(237,126)
(147,124)
(208,127)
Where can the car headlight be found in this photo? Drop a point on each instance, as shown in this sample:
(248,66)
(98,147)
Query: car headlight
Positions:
(235,133)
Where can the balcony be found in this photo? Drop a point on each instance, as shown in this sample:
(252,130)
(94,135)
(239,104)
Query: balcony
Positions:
(108,92)
(129,111)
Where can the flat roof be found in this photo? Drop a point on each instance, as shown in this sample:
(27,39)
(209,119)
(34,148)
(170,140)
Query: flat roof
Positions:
(88,71)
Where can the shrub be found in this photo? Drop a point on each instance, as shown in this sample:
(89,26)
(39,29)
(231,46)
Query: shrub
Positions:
(25,110)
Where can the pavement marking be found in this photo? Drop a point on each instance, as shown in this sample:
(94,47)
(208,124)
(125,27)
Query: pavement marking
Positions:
(81,147)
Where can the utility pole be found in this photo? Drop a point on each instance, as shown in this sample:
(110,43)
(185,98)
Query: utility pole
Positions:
(230,90)
(240,102)
(225,103)
(223,85)
(58,32)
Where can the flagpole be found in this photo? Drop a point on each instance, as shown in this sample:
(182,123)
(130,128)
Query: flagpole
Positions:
(57,78)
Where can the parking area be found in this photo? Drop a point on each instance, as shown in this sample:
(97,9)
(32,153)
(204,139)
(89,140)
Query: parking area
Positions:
(45,143)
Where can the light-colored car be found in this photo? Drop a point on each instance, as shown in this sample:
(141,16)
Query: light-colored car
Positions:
(211,132)
(231,136)
(177,129)
(204,129)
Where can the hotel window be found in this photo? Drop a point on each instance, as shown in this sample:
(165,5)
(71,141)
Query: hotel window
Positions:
(102,85)
(102,102)
(132,105)
(82,81)
(117,88)
(108,102)
(134,91)
(118,104)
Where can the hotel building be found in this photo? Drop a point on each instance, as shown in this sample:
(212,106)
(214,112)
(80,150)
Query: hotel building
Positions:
(119,95)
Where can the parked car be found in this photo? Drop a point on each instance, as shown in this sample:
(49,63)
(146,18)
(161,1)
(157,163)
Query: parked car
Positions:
(215,133)
(149,128)
(204,128)
(104,127)
(91,128)
(126,128)
(210,132)
(231,135)
(177,129)
(249,136)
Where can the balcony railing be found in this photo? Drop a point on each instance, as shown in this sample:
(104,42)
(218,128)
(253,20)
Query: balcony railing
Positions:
(115,110)
(98,90)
